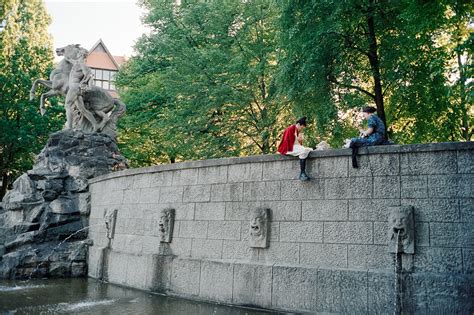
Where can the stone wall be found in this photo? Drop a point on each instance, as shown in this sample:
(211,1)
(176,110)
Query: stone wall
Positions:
(328,248)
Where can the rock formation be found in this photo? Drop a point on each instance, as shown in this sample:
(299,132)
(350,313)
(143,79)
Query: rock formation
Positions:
(45,217)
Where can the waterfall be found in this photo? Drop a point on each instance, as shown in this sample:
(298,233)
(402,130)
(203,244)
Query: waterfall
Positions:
(398,276)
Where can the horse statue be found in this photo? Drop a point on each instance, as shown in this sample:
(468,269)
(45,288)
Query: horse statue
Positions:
(59,77)
(88,108)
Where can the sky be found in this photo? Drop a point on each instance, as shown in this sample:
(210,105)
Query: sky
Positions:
(84,22)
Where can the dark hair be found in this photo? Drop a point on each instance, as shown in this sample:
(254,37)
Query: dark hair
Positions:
(302,121)
(369,109)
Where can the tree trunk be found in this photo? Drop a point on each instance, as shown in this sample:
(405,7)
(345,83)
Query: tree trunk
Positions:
(462,95)
(3,189)
(264,116)
(7,160)
(265,132)
(375,65)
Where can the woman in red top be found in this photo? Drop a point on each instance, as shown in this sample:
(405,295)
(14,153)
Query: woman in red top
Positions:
(292,144)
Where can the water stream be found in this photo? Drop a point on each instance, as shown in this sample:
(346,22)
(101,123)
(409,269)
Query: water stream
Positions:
(55,248)
(398,271)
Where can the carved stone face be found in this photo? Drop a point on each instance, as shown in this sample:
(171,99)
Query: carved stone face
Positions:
(165,225)
(400,223)
(109,219)
(259,228)
(401,226)
(257,225)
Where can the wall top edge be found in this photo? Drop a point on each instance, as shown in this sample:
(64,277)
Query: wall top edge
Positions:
(385,149)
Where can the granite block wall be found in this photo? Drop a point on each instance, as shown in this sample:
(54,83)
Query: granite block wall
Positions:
(328,248)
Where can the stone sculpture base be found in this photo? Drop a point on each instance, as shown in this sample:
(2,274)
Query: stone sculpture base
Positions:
(50,203)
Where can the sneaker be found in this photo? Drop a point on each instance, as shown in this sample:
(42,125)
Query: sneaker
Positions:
(304,177)
(347,143)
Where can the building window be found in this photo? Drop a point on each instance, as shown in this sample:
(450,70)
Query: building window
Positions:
(98,74)
(105,78)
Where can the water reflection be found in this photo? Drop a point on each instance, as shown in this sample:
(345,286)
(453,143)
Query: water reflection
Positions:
(87,296)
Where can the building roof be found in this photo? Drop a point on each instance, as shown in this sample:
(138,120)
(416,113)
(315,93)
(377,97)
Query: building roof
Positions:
(100,57)
(120,60)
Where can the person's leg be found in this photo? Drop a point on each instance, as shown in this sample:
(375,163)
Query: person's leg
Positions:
(303,156)
(68,103)
(302,153)
(303,175)
(355,144)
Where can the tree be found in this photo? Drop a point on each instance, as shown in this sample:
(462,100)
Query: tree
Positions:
(25,54)
(461,44)
(207,71)
(342,54)
(222,78)
(332,61)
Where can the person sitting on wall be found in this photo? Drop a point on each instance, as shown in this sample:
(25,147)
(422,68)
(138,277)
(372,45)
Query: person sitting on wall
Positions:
(292,144)
(374,135)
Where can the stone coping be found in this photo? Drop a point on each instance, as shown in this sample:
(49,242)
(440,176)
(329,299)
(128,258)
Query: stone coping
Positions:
(384,149)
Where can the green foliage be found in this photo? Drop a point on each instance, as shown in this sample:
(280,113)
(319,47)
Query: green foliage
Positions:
(224,78)
(203,82)
(461,45)
(25,54)
(329,65)
(325,69)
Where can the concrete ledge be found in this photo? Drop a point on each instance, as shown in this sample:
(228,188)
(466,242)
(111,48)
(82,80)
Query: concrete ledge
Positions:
(385,149)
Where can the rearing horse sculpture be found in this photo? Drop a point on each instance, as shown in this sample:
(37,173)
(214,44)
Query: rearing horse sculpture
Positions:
(95,111)
(59,77)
